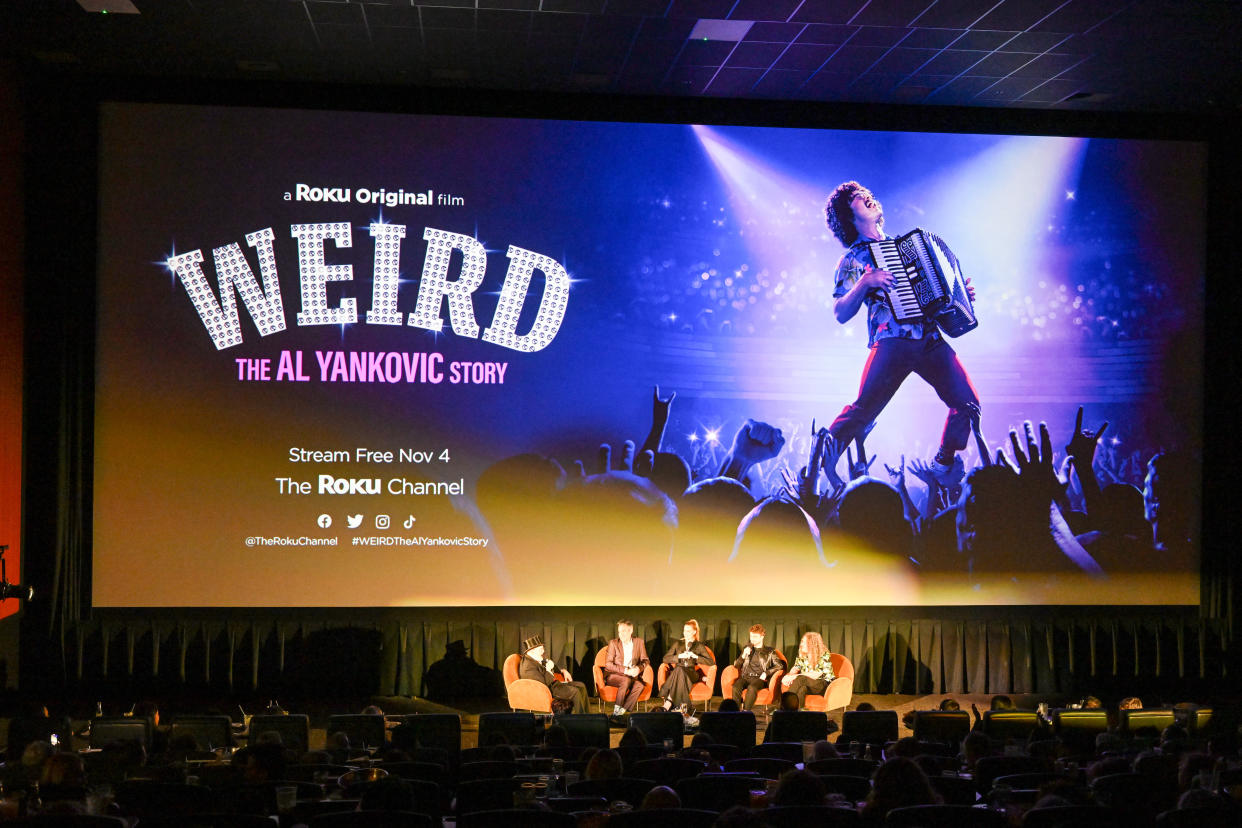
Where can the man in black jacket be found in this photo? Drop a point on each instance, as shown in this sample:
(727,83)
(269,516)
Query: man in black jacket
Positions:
(755,668)
(534,666)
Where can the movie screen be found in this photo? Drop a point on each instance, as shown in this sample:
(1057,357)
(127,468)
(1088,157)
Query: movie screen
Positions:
(372,360)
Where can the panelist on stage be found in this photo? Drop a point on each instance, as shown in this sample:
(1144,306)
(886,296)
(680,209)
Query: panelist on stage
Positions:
(534,666)
(812,669)
(623,667)
(755,668)
(684,657)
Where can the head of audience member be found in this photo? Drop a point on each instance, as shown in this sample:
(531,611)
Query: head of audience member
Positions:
(182,743)
(773,532)
(502,752)
(1121,511)
(606,764)
(388,794)
(337,743)
(728,706)
(660,798)
(799,788)
(871,511)
(1002,702)
(63,769)
(702,754)
(1168,499)
(824,749)
(1191,765)
(316,757)
(34,756)
(1130,703)
(264,762)
(1197,798)
(1108,743)
(148,710)
(865,707)
(709,512)
(949,705)
(702,739)
(632,737)
(975,746)
(690,630)
(556,736)
(124,755)
(898,783)
(670,474)
(906,746)
(986,521)
(372,710)
(1173,739)
(789,702)
(739,816)
(1107,766)
(1092,703)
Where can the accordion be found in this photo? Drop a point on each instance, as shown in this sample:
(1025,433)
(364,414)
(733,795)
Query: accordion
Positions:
(927,282)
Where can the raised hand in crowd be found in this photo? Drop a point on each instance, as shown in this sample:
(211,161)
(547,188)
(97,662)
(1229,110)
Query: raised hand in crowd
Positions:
(753,443)
(897,477)
(660,408)
(1080,451)
(976,428)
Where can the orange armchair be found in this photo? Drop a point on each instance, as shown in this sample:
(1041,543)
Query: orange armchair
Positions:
(840,690)
(701,691)
(766,696)
(606,694)
(526,694)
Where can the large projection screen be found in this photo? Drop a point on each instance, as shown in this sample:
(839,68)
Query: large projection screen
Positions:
(373,360)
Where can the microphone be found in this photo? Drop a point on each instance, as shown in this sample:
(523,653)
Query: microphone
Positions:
(7,590)
(18,591)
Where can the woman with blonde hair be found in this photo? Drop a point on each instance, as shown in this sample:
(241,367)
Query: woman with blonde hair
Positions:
(812,669)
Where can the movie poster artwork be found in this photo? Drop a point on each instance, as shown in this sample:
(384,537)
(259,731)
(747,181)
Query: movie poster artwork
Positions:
(405,360)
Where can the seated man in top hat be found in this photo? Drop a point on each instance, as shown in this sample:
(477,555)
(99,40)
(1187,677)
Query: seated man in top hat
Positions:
(570,694)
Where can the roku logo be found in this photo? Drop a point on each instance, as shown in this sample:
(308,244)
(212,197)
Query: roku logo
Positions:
(348,485)
(266,307)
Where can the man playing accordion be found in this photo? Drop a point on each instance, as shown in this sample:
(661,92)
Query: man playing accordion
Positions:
(898,349)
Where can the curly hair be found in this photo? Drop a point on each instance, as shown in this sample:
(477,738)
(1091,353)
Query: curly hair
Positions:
(839,215)
(812,646)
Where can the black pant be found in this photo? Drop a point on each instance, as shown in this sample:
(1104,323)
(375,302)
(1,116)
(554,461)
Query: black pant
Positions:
(891,361)
(802,685)
(746,688)
(574,692)
(678,684)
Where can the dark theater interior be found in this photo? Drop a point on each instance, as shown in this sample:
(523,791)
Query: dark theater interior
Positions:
(615,412)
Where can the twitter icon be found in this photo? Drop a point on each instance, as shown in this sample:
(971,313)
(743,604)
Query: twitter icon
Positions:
(353,521)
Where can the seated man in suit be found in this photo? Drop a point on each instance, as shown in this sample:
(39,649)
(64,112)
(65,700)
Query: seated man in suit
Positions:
(755,667)
(534,666)
(623,667)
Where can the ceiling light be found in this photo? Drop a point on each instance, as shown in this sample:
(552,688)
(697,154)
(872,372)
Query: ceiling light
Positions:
(109,6)
(727,30)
